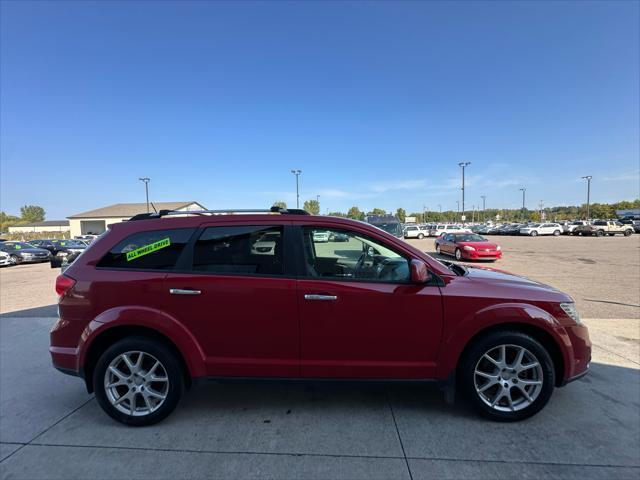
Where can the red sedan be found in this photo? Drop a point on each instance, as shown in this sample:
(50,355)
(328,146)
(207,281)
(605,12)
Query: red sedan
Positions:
(468,246)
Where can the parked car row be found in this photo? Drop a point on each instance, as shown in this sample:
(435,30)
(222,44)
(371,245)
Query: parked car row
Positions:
(577,227)
(433,230)
(34,251)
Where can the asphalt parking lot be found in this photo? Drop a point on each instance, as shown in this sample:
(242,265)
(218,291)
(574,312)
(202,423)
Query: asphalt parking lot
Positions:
(51,428)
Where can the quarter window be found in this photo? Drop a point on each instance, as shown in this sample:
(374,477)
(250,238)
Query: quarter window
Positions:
(155,250)
(249,250)
(338,254)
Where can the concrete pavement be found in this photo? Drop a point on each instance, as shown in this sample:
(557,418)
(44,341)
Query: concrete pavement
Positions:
(51,428)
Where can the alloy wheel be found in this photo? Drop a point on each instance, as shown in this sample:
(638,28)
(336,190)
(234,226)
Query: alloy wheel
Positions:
(508,378)
(136,383)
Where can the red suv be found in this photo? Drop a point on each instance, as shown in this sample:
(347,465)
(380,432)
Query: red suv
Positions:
(158,304)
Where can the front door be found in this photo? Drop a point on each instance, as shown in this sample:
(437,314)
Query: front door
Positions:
(360,316)
(237,296)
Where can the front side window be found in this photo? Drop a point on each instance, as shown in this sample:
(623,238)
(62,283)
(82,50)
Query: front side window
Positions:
(155,250)
(354,257)
(246,249)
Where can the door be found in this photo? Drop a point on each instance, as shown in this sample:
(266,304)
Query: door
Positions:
(236,295)
(360,316)
(446,244)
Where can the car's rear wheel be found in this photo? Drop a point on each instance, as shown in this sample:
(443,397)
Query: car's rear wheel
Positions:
(507,376)
(556,233)
(138,381)
(534,233)
(458,254)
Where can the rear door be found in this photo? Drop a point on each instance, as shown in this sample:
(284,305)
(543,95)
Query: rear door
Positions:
(235,291)
(360,316)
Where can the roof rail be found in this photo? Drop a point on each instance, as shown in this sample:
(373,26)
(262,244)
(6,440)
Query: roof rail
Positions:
(167,213)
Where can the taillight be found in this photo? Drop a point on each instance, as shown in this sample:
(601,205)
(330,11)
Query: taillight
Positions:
(64,284)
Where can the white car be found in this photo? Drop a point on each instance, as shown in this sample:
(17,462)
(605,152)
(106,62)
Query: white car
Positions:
(541,229)
(441,229)
(415,231)
(320,236)
(5,259)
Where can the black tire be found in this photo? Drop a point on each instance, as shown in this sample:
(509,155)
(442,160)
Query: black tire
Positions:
(628,232)
(438,250)
(458,254)
(534,233)
(420,236)
(599,233)
(556,233)
(476,351)
(15,260)
(170,363)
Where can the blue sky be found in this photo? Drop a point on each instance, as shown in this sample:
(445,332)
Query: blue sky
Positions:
(376,102)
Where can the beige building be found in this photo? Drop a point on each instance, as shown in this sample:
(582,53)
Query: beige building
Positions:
(41,227)
(94,222)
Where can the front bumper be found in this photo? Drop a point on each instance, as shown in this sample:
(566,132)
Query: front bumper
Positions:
(581,346)
(480,255)
(35,259)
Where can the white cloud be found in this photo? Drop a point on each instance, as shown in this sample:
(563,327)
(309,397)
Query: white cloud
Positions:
(398,185)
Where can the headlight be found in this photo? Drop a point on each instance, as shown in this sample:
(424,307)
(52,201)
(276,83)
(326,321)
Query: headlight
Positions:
(469,247)
(498,247)
(570,309)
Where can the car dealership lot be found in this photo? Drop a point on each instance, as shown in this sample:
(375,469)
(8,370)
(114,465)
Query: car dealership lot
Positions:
(50,427)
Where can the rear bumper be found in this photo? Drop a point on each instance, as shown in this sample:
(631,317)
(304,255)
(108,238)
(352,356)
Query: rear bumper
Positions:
(65,359)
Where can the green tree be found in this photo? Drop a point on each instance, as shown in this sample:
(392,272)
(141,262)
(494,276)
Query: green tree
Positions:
(280,204)
(401,214)
(32,213)
(312,206)
(337,214)
(355,213)
(7,221)
(378,211)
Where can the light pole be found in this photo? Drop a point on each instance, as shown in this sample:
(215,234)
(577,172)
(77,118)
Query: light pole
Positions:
(463,165)
(146,181)
(484,198)
(297,174)
(588,178)
(523,190)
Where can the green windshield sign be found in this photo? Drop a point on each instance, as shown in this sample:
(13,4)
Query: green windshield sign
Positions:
(152,247)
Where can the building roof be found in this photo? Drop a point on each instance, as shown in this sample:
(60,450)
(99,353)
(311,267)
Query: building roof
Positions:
(46,223)
(130,209)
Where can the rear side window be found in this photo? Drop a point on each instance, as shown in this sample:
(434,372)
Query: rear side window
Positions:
(155,250)
(246,249)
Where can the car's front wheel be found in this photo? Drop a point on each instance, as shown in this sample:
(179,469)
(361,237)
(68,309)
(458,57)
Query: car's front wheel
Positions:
(556,233)
(14,260)
(138,381)
(438,250)
(420,236)
(534,233)
(507,376)
(628,232)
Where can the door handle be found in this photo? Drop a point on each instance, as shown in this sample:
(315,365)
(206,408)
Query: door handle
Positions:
(183,291)
(314,296)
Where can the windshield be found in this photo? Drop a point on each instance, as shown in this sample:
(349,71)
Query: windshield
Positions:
(69,243)
(12,246)
(470,238)
(392,228)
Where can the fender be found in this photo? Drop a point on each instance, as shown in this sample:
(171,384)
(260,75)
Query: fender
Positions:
(135,316)
(458,336)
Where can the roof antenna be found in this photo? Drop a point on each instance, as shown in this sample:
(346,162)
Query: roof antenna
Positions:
(154,207)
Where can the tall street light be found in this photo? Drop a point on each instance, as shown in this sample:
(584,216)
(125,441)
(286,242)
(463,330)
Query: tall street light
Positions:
(146,181)
(463,165)
(297,174)
(588,178)
(523,190)
(484,198)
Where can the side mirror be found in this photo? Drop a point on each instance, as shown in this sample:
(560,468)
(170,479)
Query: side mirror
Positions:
(419,272)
